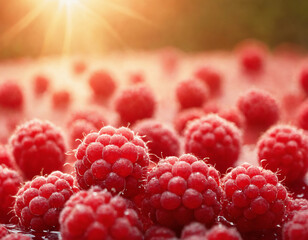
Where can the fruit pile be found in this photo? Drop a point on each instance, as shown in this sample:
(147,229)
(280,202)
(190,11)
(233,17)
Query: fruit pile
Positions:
(156,146)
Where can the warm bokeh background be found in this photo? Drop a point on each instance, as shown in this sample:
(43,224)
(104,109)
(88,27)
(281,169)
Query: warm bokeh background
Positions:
(190,25)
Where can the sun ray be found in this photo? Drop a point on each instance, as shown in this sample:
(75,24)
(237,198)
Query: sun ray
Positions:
(68,32)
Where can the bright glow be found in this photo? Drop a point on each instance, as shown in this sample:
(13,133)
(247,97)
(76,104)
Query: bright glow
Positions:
(68,3)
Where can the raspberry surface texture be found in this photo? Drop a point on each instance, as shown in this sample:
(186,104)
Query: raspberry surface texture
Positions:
(184,117)
(253,198)
(297,228)
(102,84)
(38,146)
(161,140)
(214,138)
(157,232)
(296,205)
(192,230)
(182,190)
(112,158)
(95,214)
(135,103)
(191,93)
(219,232)
(39,202)
(11,96)
(284,149)
(10,181)
(94,116)
(259,108)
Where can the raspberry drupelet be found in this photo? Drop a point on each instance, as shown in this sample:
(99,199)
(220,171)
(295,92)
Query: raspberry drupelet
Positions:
(102,84)
(11,96)
(211,77)
(10,181)
(191,93)
(112,158)
(38,146)
(161,140)
(95,214)
(184,117)
(182,190)
(253,198)
(214,138)
(259,108)
(135,103)
(284,149)
(39,202)
(6,157)
(40,84)
(297,228)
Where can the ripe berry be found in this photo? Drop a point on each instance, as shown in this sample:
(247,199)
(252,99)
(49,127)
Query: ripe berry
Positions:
(6,158)
(135,103)
(184,117)
(219,232)
(10,181)
(259,108)
(193,230)
(161,140)
(302,116)
(38,145)
(61,99)
(252,57)
(11,96)
(41,84)
(284,149)
(254,199)
(94,116)
(210,77)
(303,79)
(95,214)
(214,138)
(182,190)
(112,158)
(102,84)
(157,232)
(296,205)
(297,228)
(191,93)
(39,202)
(232,115)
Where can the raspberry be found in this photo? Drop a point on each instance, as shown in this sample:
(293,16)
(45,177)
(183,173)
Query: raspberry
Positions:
(302,116)
(219,232)
(232,115)
(61,99)
(115,159)
(95,214)
(10,181)
(6,158)
(41,84)
(162,141)
(297,228)
(79,67)
(159,233)
(191,93)
(40,201)
(93,116)
(215,138)
(259,108)
(303,79)
(38,145)
(186,116)
(135,103)
(16,236)
(284,149)
(210,77)
(254,199)
(11,96)
(182,190)
(252,56)
(102,84)
(295,205)
(194,229)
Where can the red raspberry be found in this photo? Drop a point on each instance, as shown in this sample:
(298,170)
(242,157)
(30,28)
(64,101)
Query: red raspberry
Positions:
(296,205)
(95,214)
(259,108)
(191,93)
(159,233)
(38,145)
(39,202)
(192,230)
(284,149)
(102,84)
(186,116)
(232,115)
(219,232)
(41,84)
(6,158)
(10,181)
(302,116)
(297,228)
(61,99)
(94,116)
(135,103)
(252,56)
(254,199)
(303,79)
(214,138)
(16,236)
(182,190)
(115,159)
(161,140)
(11,96)
(3,231)
(79,67)
(210,77)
